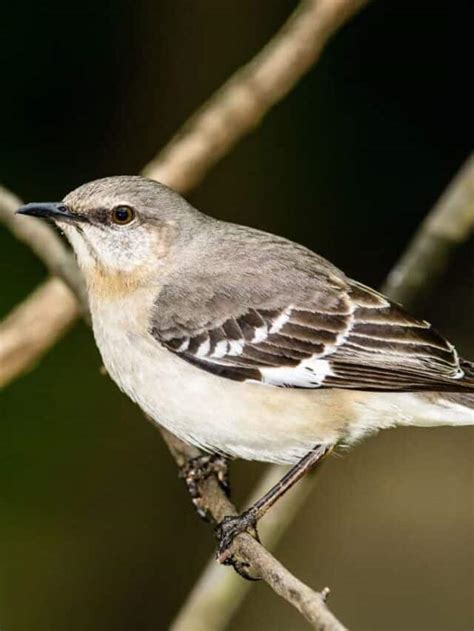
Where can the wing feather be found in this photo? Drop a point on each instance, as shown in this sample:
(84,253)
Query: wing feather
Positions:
(357,339)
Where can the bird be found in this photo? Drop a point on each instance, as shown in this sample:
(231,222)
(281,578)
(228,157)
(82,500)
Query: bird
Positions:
(246,344)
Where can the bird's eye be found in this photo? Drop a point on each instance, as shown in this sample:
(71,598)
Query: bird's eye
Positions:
(123,215)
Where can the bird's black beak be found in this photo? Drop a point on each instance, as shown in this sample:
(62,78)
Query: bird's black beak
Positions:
(51,210)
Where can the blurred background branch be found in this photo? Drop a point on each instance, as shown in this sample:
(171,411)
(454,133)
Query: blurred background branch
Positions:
(235,110)
(240,104)
(448,225)
(34,326)
(44,242)
(217,595)
(230,114)
(179,165)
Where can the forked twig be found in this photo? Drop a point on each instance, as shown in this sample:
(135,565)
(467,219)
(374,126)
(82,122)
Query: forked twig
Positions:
(235,110)
(231,113)
(217,595)
(241,103)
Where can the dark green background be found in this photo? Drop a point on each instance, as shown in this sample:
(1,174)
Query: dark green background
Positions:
(96,532)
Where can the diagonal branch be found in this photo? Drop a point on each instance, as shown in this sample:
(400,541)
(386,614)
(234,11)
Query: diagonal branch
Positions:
(35,325)
(44,242)
(240,104)
(259,561)
(234,111)
(451,207)
(231,113)
(449,224)
(217,595)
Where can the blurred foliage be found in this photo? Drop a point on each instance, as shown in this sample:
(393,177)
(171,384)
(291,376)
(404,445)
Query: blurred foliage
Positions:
(96,531)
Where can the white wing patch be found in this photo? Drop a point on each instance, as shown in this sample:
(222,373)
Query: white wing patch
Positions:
(221,349)
(184,345)
(360,341)
(310,373)
(236,347)
(204,348)
(260,334)
(281,320)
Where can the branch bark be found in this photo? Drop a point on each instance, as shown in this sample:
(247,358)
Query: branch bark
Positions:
(260,562)
(44,242)
(449,224)
(35,325)
(216,596)
(232,112)
(240,104)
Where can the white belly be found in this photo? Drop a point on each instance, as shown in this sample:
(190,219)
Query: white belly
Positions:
(246,420)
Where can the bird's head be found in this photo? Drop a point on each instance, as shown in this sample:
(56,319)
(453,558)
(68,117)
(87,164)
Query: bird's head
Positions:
(121,227)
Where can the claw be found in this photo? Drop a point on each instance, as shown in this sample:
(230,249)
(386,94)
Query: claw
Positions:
(232,526)
(229,528)
(197,470)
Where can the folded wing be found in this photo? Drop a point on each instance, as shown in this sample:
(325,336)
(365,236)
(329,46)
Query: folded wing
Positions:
(362,341)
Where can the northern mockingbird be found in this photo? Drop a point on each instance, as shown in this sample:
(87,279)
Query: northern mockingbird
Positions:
(244,343)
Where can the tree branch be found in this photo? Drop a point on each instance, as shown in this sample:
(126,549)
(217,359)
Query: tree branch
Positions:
(240,104)
(449,224)
(33,326)
(234,111)
(259,561)
(217,595)
(46,244)
(231,113)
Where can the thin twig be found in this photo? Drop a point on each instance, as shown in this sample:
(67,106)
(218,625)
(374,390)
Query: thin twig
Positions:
(233,111)
(216,595)
(44,242)
(33,326)
(238,107)
(184,172)
(259,561)
(449,224)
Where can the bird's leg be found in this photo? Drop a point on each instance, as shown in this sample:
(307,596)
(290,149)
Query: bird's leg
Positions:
(232,526)
(200,468)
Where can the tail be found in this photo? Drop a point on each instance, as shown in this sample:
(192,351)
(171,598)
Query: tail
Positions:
(460,405)
(465,400)
(463,381)
(468,368)
(427,408)
(435,409)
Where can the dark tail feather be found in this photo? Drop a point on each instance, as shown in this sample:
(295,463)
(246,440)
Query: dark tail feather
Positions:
(466,399)
(460,398)
(468,368)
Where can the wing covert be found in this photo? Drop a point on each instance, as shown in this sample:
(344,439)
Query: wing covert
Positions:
(362,341)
